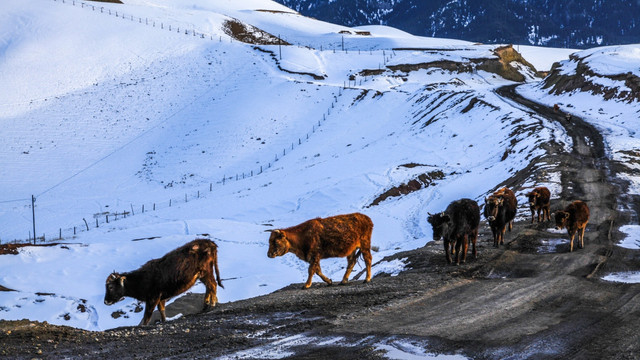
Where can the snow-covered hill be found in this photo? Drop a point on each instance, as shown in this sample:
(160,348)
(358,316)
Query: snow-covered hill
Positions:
(153,107)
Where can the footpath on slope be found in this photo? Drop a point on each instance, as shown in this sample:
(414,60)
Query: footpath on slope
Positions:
(527,299)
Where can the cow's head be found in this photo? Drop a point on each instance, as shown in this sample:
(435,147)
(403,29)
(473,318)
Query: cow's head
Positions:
(114,288)
(492,206)
(278,243)
(533,198)
(561,219)
(439,223)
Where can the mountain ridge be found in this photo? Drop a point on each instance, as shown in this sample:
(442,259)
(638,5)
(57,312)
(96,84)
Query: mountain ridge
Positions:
(573,24)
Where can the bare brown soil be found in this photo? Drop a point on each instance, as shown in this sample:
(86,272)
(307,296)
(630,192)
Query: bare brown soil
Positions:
(530,299)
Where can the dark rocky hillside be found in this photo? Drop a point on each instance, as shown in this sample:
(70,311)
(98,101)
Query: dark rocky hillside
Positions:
(573,23)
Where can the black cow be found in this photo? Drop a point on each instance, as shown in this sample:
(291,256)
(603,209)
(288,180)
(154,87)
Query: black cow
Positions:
(457,225)
(171,275)
(500,210)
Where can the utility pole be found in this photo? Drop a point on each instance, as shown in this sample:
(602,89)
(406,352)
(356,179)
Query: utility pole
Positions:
(33,211)
(280,46)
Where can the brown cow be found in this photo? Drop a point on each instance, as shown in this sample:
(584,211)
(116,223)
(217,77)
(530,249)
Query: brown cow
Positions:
(574,217)
(316,239)
(540,201)
(500,210)
(171,275)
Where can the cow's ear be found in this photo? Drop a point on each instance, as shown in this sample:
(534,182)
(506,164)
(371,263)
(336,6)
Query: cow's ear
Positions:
(122,280)
(565,215)
(195,247)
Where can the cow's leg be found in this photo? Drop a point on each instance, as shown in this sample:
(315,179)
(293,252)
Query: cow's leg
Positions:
(366,255)
(148,310)
(446,250)
(533,215)
(504,231)
(571,236)
(465,247)
(351,262)
(161,310)
(210,298)
(314,268)
(496,242)
(458,244)
(582,236)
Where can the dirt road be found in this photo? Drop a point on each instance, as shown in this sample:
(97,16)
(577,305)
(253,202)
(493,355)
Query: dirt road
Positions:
(528,299)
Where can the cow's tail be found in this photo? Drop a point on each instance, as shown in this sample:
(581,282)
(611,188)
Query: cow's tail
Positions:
(218,278)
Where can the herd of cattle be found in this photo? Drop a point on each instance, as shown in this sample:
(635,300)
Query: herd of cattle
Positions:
(337,236)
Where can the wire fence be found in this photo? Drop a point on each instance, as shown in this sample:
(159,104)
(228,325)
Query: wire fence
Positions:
(103,218)
(189,30)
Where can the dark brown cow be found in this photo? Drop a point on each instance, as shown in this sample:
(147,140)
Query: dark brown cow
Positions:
(540,201)
(171,275)
(337,236)
(458,225)
(500,210)
(574,217)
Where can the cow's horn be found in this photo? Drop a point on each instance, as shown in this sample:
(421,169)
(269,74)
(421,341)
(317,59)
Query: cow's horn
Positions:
(442,214)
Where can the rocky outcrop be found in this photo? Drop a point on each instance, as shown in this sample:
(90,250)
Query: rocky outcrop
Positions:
(585,79)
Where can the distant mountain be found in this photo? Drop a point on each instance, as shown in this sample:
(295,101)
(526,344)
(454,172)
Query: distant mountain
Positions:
(570,23)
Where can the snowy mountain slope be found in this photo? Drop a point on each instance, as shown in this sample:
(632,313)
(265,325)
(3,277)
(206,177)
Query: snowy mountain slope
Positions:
(601,85)
(150,121)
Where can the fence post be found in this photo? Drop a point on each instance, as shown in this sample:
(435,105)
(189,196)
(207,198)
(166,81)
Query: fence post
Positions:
(169,202)
(143,208)
(132,212)
(185,197)
(74,230)
(154,206)
(210,186)
(107,219)
(86,224)
(60,238)
(97,226)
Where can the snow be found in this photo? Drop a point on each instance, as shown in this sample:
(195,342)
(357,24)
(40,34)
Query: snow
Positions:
(630,277)
(94,126)
(615,118)
(632,240)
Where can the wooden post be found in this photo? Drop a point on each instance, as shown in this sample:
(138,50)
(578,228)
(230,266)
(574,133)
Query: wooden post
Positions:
(74,230)
(33,212)
(107,217)
(60,237)
(97,223)
(86,224)
(132,212)
(143,208)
